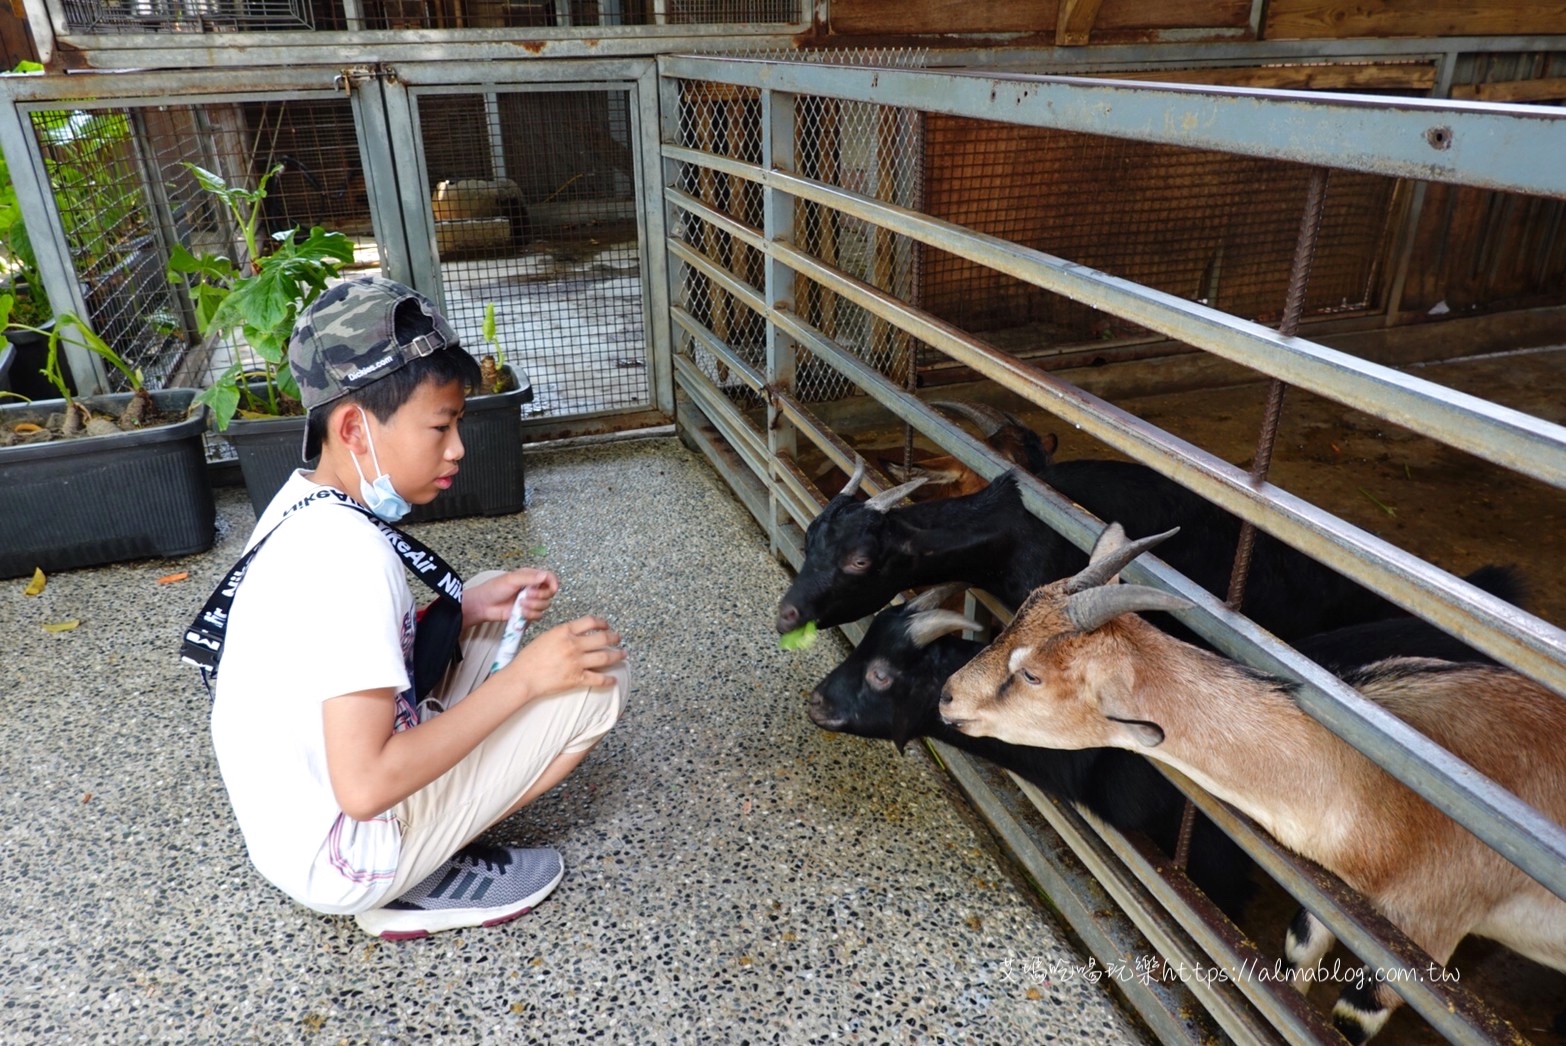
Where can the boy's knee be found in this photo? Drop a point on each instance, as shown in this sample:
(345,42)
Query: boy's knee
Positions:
(603,707)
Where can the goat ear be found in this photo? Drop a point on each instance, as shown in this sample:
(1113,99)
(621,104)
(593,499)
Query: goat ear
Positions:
(1096,607)
(1110,555)
(887,498)
(926,627)
(1114,704)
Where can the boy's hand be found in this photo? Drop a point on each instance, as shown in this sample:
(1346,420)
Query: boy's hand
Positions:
(492,600)
(567,657)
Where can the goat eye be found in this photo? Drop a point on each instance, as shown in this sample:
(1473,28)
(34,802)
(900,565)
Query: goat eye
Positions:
(1028,677)
(857,563)
(878,678)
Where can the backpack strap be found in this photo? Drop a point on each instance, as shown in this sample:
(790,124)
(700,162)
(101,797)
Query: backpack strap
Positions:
(202,645)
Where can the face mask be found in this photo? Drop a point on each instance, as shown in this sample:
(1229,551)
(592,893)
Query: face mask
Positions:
(380,497)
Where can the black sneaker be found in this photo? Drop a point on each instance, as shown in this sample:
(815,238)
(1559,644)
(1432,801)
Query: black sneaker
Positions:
(480,886)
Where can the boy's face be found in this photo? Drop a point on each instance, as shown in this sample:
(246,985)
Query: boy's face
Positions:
(418,446)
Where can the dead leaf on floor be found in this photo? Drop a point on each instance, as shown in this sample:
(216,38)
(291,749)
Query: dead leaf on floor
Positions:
(975,923)
(1034,994)
(26,428)
(87,798)
(169,579)
(62,626)
(36,585)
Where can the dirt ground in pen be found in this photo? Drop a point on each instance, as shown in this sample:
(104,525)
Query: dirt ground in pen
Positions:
(1442,504)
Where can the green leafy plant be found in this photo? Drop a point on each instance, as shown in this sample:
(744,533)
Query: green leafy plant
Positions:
(493,376)
(258,301)
(68,327)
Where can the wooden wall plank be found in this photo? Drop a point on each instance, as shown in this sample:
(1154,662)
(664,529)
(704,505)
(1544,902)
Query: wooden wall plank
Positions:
(1547,89)
(1402,76)
(1342,19)
(911,17)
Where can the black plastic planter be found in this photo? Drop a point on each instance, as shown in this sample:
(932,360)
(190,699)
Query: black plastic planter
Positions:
(490,483)
(7,357)
(102,499)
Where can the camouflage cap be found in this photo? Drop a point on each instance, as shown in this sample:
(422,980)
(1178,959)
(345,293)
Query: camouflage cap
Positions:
(358,332)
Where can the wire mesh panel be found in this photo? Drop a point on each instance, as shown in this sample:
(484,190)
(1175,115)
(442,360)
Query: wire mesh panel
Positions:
(126,196)
(186,16)
(208,16)
(1205,226)
(533,196)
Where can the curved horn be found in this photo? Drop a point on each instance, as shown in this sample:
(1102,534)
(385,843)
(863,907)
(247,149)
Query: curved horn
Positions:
(887,498)
(931,599)
(857,478)
(1093,608)
(929,626)
(1111,554)
(989,419)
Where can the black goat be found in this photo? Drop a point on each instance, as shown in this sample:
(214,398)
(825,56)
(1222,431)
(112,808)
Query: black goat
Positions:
(860,554)
(890,685)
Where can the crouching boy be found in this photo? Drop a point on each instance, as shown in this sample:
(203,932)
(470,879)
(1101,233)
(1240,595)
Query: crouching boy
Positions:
(355,796)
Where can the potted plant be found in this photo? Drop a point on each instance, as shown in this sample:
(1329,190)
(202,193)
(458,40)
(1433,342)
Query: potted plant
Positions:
(257,406)
(102,478)
(491,480)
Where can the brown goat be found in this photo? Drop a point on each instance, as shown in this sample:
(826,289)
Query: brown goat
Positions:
(1076,668)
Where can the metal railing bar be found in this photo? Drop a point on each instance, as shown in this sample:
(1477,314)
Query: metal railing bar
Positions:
(1106,936)
(751,236)
(1452,1009)
(1481,144)
(735,286)
(710,342)
(1102,848)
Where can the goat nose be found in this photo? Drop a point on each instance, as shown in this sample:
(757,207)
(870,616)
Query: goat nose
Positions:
(817,699)
(946,697)
(788,617)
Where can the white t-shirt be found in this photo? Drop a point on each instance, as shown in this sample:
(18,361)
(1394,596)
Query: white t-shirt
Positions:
(324,610)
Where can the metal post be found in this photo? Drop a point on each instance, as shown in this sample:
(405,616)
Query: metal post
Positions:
(778,226)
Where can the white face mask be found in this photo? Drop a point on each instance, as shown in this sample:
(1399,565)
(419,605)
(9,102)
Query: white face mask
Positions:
(380,497)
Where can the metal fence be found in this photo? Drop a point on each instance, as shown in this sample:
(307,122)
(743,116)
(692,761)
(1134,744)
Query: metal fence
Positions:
(786,343)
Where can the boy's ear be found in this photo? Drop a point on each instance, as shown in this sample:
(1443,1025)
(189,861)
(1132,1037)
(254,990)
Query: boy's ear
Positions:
(345,426)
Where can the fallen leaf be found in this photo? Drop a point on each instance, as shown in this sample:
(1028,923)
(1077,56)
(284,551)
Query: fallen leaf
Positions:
(1033,993)
(1335,448)
(745,960)
(36,585)
(26,428)
(975,923)
(62,626)
(87,798)
(518,1007)
(169,579)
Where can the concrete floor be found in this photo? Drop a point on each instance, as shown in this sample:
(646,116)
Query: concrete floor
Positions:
(734,873)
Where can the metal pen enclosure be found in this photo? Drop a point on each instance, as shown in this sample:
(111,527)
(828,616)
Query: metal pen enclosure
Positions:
(798,256)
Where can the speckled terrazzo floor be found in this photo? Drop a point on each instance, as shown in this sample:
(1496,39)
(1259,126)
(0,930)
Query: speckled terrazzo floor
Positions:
(733,873)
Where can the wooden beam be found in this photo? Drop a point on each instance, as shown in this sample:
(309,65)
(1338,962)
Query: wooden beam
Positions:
(1342,76)
(1340,20)
(1545,89)
(1075,22)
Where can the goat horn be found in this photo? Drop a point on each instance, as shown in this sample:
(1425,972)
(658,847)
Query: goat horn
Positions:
(887,498)
(857,478)
(1111,558)
(931,599)
(1094,607)
(929,626)
(986,417)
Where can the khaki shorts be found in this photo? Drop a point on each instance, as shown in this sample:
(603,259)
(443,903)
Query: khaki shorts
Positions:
(449,812)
